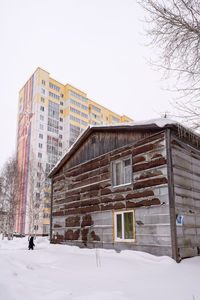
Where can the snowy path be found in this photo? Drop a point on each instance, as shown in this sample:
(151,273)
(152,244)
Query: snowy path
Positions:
(58,272)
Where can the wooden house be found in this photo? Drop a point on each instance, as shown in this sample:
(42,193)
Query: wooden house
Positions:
(130,186)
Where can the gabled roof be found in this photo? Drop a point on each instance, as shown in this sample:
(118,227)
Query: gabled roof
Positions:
(142,125)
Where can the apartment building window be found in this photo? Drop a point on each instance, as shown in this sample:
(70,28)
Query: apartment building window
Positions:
(42,108)
(78,96)
(62,96)
(48,168)
(43,91)
(115,119)
(60,144)
(40,145)
(96,108)
(39,164)
(41,118)
(37,195)
(78,112)
(124,226)
(42,99)
(53,116)
(61,111)
(74,102)
(38,175)
(54,87)
(73,118)
(52,150)
(46,216)
(61,103)
(36,216)
(61,119)
(95,123)
(74,133)
(35,227)
(41,127)
(54,96)
(122,172)
(52,125)
(61,128)
(39,155)
(47,205)
(38,184)
(60,136)
(43,82)
(96,116)
(40,135)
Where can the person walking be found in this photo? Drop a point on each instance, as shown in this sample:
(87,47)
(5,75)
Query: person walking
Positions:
(31,244)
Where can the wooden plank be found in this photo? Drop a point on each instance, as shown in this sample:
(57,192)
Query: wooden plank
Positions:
(171,196)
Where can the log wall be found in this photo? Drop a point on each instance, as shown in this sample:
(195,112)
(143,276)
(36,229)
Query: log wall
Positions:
(84,199)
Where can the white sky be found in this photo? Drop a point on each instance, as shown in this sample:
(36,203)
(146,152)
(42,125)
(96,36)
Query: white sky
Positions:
(95,45)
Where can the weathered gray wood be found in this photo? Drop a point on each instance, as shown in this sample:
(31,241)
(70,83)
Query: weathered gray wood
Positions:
(186,160)
(171,196)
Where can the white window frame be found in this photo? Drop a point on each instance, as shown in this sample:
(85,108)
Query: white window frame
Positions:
(123,239)
(122,168)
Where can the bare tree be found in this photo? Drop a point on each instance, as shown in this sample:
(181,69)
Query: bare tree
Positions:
(173,26)
(9,187)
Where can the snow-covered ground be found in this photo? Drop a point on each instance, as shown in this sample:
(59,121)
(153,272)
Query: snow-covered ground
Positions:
(59,272)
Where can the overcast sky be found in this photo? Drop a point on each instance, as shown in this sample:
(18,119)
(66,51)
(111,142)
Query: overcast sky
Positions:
(96,45)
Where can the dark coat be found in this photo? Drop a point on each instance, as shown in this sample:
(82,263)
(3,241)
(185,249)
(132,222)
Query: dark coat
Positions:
(31,243)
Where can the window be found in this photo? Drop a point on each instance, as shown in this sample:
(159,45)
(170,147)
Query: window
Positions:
(121,172)
(39,155)
(78,112)
(53,117)
(41,118)
(39,164)
(42,99)
(41,126)
(47,205)
(124,226)
(54,87)
(54,96)
(60,136)
(74,102)
(40,145)
(73,118)
(61,119)
(42,108)
(38,184)
(96,108)
(61,128)
(61,111)
(79,96)
(36,217)
(114,119)
(46,216)
(43,91)
(61,103)
(43,82)
(37,205)
(40,135)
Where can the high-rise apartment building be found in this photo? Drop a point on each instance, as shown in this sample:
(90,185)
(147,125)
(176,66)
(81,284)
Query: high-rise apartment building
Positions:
(50,118)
